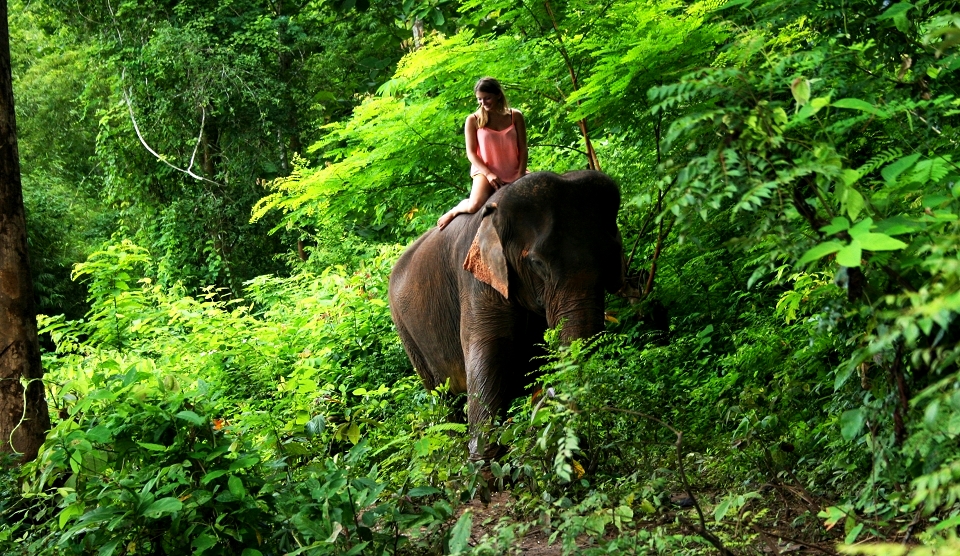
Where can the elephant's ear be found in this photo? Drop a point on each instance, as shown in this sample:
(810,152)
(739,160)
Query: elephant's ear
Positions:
(486,260)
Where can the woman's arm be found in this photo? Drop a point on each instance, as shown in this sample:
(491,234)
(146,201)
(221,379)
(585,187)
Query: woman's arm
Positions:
(522,153)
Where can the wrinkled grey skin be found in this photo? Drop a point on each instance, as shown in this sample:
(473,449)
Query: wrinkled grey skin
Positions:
(549,244)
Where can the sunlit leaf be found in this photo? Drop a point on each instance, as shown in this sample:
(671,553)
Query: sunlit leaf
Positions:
(838,224)
(857,104)
(721,510)
(800,88)
(820,251)
(850,255)
(353,433)
(879,242)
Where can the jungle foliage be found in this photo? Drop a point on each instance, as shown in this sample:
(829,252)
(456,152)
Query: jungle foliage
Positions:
(221,361)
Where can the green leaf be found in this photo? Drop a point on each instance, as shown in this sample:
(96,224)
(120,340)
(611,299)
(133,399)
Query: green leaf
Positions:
(203,542)
(235,484)
(861,227)
(949,523)
(850,177)
(422,491)
(853,534)
(100,433)
(800,88)
(929,201)
(109,548)
(302,418)
(810,109)
(896,10)
(897,225)
(734,3)
(931,413)
(188,415)
(243,463)
(857,104)
(353,433)
(213,475)
(891,172)
(460,534)
(838,224)
(153,447)
(851,421)
(854,202)
(879,242)
(898,13)
(163,506)
(647,508)
(251,552)
(721,510)
(850,255)
(314,426)
(819,251)
(69,512)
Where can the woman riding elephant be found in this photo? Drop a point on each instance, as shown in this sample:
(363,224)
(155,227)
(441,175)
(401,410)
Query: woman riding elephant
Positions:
(496,137)
(471,302)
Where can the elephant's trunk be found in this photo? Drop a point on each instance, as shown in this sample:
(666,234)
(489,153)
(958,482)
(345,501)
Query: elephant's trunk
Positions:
(582,317)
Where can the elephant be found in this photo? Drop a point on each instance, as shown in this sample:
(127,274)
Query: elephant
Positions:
(471,302)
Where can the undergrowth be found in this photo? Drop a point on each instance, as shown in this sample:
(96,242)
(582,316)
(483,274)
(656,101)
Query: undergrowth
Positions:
(289,422)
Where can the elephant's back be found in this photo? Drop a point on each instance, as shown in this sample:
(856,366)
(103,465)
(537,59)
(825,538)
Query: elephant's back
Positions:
(576,187)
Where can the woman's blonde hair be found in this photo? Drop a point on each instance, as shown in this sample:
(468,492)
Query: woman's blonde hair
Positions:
(490,86)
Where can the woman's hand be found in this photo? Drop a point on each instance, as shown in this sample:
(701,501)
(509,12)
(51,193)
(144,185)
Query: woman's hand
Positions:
(494,180)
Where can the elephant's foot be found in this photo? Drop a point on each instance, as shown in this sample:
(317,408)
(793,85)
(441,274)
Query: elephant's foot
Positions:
(487,453)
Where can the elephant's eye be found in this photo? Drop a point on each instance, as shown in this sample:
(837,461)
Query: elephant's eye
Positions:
(538,266)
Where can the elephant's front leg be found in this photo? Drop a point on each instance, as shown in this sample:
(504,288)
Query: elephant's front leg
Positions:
(489,339)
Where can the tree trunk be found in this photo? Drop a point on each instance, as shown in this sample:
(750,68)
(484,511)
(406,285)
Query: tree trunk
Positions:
(23,415)
(417,33)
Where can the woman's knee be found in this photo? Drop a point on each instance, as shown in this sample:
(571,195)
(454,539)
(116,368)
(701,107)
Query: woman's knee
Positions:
(473,204)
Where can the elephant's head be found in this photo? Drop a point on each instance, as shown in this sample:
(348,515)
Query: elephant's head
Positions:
(551,244)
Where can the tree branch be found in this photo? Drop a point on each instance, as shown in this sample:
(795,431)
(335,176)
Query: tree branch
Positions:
(591,154)
(188,171)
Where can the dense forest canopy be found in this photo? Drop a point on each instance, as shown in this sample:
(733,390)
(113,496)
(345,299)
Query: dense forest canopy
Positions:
(216,191)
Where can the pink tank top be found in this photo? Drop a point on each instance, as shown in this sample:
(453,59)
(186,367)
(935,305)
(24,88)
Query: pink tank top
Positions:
(498,150)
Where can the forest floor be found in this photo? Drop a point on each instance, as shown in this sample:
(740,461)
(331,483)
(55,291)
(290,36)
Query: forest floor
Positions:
(486,518)
(787,526)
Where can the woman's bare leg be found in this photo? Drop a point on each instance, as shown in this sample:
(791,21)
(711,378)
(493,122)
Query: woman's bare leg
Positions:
(479,193)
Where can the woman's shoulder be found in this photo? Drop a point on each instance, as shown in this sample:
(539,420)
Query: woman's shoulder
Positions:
(471,119)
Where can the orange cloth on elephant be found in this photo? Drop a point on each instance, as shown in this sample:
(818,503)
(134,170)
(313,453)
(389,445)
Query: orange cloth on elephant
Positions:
(498,150)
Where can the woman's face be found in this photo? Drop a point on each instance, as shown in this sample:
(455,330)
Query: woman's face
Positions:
(488,101)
